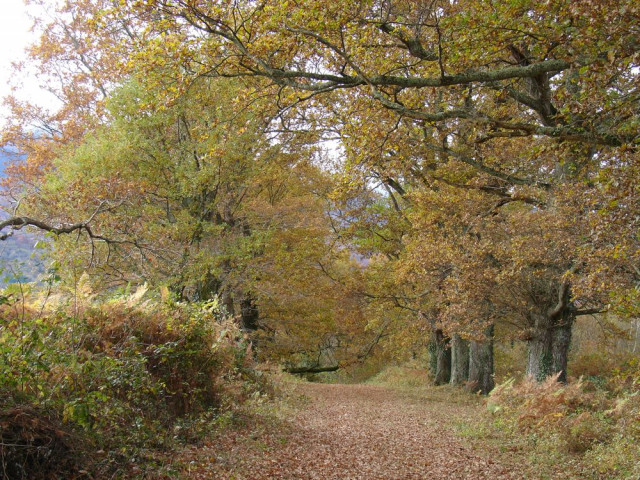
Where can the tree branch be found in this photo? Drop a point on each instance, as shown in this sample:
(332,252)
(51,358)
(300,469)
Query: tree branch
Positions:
(17,223)
(411,43)
(486,169)
(314,369)
(590,311)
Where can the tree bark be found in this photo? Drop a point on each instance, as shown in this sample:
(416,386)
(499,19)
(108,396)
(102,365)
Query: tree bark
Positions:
(442,352)
(539,349)
(548,348)
(561,341)
(226,298)
(459,360)
(207,288)
(481,364)
(249,314)
(550,338)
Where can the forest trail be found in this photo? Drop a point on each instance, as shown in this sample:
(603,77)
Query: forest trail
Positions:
(350,432)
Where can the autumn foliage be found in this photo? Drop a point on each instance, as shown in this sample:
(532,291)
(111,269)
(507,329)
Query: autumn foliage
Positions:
(118,377)
(351,183)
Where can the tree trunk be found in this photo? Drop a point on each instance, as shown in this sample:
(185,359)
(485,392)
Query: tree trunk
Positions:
(226,298)
(249,314)
(539,349)
(442,375)
(459,360)
(314,369)
(207,288)
(481,364)
(548,348)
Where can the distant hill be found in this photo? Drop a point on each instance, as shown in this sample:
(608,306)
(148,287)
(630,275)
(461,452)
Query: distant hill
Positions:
(7,156)
(19,261)
(18,258)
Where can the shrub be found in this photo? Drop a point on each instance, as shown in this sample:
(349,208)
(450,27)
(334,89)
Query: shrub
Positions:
(544,405)
(125,375)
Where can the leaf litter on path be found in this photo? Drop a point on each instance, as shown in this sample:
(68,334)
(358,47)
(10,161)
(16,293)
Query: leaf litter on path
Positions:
(350,432)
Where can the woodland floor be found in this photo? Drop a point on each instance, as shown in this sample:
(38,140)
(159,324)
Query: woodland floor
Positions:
(357,432)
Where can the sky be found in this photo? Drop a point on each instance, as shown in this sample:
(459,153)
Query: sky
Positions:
(15,36)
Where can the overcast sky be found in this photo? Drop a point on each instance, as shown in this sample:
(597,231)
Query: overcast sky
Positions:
(15,35)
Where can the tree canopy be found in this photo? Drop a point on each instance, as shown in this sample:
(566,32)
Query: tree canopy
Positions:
(482,163)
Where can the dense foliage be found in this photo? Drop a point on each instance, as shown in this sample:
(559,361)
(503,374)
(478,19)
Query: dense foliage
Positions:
(119,377)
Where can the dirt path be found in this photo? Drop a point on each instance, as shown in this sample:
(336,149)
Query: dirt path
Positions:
(350,432)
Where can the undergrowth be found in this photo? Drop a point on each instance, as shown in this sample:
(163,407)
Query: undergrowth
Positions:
(584,430)
(101,388)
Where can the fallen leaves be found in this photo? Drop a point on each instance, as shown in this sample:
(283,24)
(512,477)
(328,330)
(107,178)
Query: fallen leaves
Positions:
(350,432)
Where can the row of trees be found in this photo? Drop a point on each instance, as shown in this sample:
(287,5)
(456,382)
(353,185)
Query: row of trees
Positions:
(483,169)
(197,198)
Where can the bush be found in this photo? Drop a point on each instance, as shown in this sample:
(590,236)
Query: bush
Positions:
(125,375)
(544,405)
